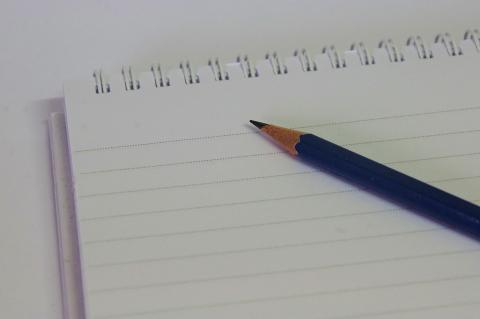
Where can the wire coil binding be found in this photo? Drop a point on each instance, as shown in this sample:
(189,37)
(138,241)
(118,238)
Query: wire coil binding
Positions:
(474,36)
(305,60)
(101,86)
(302,59)
(451,47)
(130,82)
(394,55)
(363,54)
(423,52)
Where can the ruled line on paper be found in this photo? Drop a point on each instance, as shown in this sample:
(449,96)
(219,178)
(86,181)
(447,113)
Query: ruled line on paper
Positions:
(185,139)
(255,201)
(215,159)
(180,209)
(227,157)
(245,226)
(284,271)
(406,310)
(413,137)
(398,116)
(258,177)
(165,141)
(216,182)
(433,158)
(295,296)
(267,248)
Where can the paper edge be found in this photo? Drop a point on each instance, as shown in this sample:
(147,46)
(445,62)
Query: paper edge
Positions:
(67,237)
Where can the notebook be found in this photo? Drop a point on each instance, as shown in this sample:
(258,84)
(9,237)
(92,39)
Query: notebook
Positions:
(184,211)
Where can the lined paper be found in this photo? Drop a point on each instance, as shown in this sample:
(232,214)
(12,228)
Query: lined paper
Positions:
(183,216)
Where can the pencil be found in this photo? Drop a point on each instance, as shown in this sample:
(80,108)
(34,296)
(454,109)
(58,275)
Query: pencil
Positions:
(412,193)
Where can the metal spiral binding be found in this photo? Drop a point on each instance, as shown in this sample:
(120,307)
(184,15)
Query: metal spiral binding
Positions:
(336,61)
(248,70)
(446,39)
(217,68)
(190,78)
(277,66)
(101,86)
(300,61)
(474,36)
(422,50)
(305,60)
(158,78)
(394,54)
(363,53)
(130,82)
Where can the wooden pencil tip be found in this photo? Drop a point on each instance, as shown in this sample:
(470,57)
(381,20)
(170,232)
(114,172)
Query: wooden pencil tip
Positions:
(259,125)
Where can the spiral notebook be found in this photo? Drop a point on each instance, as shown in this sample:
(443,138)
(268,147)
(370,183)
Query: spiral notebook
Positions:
(183,211)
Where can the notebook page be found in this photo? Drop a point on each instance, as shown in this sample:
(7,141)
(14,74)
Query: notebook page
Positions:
(184,211)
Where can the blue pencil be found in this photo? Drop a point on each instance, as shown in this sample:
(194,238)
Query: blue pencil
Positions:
(430,201)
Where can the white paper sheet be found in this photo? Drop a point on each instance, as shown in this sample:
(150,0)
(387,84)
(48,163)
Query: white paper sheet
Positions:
(186,212)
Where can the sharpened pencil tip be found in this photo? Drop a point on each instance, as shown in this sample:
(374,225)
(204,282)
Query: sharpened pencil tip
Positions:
(258,124)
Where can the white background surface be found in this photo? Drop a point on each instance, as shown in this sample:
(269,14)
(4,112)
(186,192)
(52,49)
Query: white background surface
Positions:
(44,43)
